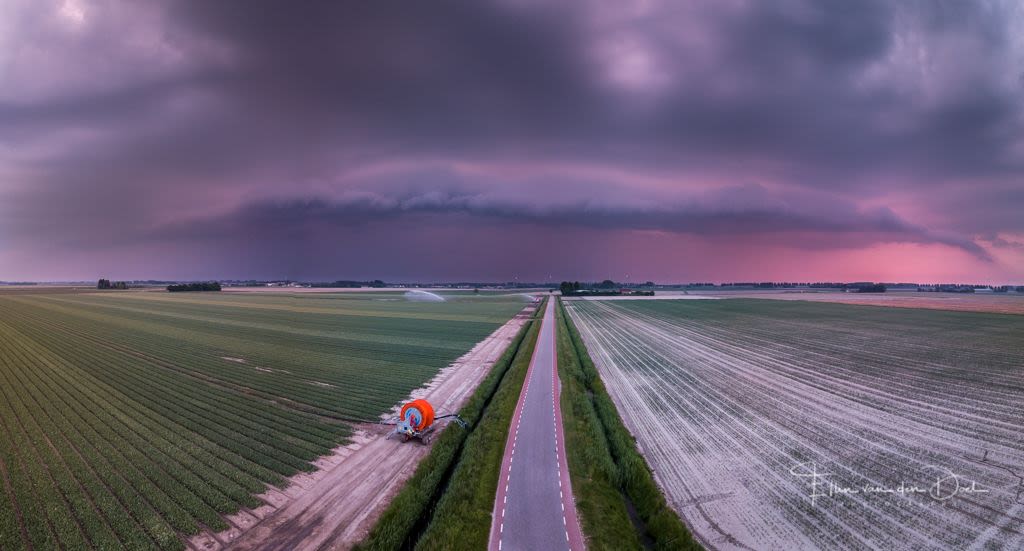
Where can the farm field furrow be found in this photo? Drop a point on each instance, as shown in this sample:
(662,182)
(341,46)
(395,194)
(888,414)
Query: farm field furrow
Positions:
(802,425)
(133,420)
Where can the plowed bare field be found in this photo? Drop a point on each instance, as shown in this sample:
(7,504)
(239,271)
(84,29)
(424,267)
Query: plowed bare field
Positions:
(795,425)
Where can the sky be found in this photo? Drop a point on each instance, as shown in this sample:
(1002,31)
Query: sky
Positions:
(674,141)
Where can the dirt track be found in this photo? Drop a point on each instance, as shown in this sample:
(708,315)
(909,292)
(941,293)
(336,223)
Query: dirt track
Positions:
(335,507)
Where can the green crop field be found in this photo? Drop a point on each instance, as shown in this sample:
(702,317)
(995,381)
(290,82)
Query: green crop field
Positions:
(128,419)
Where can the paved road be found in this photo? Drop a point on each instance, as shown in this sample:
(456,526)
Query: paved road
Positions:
(534,507)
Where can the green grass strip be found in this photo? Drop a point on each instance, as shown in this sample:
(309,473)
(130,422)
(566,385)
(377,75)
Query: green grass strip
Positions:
(662,528)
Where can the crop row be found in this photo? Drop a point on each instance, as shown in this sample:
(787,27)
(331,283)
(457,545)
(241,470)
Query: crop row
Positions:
(127,429)
(35,414)
(326,373)
(182,394)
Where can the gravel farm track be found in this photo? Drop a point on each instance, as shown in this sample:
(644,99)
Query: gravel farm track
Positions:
(800,425)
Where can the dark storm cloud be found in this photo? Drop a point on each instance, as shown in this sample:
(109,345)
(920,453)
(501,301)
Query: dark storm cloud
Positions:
(144,122)
(732,212)
(410,79)
(777,83)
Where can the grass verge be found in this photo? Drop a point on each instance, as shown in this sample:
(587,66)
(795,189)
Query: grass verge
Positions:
(595,476)
(595,434)
(401,524)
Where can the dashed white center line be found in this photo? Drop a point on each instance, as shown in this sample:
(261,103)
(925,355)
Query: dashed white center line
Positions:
(558,445)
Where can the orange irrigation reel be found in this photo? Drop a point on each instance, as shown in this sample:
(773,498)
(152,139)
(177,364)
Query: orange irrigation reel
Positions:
(418,413)
(416,420)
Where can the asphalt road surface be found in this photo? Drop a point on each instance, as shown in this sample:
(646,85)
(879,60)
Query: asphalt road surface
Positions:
(534,507)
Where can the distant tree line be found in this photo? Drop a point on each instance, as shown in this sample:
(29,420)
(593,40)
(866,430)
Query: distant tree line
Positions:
(603,289)
(569,287)
(762,284)
(783,284)
(946,288)
(961,288)
(1007,288)
(183,287)
(348,284)
(107,284)
(872,288)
